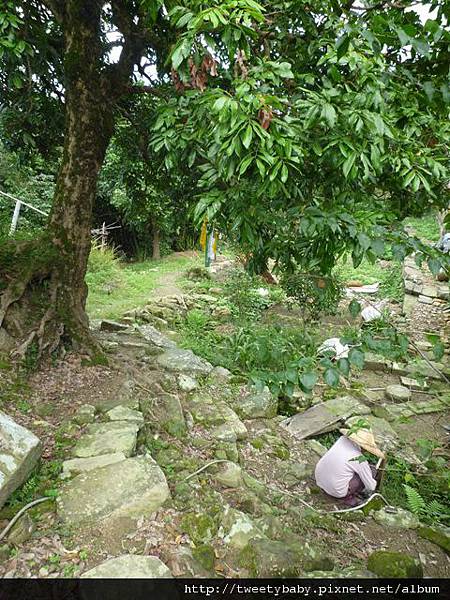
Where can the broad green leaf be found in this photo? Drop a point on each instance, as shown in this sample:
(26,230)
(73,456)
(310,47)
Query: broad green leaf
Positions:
(308,380)
(356,358)
(331,377)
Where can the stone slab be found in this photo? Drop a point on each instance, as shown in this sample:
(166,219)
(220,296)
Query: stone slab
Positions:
(107,438)
(324,417)
(129,566)
(134,487)
(124,413)
(75,466)
(179,360)
(20,450)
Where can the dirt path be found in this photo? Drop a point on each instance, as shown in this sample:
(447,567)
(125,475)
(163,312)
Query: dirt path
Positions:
(167,285)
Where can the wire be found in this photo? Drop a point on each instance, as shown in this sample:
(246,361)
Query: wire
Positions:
(19,514)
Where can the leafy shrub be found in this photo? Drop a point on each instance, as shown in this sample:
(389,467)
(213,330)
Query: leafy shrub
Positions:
(316,294)
(103,266)
(241,290)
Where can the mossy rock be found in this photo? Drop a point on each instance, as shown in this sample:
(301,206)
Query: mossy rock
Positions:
(205,555)
(267,558)
(200,528)
(438,535)
(397,565)
(374,504)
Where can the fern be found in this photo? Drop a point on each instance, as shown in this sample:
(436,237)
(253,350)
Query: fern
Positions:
(416,503)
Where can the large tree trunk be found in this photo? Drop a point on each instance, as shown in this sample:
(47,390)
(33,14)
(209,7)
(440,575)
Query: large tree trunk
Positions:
(43,297)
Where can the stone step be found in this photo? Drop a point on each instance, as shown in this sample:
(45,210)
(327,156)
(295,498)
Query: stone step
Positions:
(391,412)
(324,417)
(129,566)
(19,452)
(107,438)
(134,487)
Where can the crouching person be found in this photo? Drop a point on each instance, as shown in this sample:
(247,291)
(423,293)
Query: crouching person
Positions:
(342,472)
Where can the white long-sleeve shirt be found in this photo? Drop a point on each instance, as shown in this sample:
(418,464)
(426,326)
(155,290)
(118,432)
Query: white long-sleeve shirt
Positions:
(336,468)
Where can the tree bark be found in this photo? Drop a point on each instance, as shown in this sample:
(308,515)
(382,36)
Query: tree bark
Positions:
(44,300)
(156,238)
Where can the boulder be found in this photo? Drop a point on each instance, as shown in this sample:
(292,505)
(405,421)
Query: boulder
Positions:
(22,530)
(108,438)
(226,425)
(229,475)
(400,519)
(396,565)
(19,452)
(265,558)
(220,374)
(134,487)
(167,412)
(155,337)
(129,566)
(85,414)
(255,405)
(111,326)
(183,361)
(324,417)
(438,534)
(75,466)
(124,413)
(237,529)
(397,393)
(183,563)
(414,384)
(186,383)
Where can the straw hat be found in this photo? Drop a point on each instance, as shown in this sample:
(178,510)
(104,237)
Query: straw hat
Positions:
(365,439)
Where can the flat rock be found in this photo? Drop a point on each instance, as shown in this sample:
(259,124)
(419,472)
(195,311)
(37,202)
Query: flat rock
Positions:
(400,519)
(229,475)
(186,383)
(425,368)
(220,374)
(124,413)
(256,405)
(134,487)
(414,384)
(107,325)
(183,361)
(324,417)
(155,337)
(107,438)
(75,466)
(398,393)
(391,412)
(238,529)
(129,566)
(397,565)
(438,534)
(19,452)
(85,414)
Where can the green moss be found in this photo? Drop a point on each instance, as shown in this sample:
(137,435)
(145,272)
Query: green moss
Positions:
(438,535)
(394,564)
(257,443)
(204,554)
(200,528)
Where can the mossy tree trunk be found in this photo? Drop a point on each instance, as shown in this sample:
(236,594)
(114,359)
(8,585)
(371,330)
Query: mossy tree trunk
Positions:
(42,290)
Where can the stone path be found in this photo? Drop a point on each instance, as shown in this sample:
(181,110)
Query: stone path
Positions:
(108,482)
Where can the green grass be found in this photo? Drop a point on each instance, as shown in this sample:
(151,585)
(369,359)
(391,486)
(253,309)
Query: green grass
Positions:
(426,227)
(390,278)
(115,286)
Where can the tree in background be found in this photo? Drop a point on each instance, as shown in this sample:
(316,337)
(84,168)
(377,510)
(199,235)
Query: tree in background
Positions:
(153,202)
(312,126)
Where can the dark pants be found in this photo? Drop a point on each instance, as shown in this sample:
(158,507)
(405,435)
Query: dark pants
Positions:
(356,486)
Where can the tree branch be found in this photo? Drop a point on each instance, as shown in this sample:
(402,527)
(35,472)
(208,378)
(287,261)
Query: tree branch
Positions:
(56,7)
